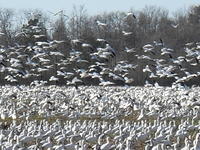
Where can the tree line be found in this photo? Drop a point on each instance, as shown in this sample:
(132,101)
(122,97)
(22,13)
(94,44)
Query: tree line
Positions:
(151,23)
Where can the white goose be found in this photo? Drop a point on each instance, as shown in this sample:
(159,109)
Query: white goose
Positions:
(71,145)
(108,145)
(196,142)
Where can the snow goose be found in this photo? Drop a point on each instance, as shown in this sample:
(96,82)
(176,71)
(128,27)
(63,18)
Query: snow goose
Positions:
(187,145)
(142,115)
(92,139)
(157,147)
(108,145)
(196,142)
(48,143)
(130,16)
(71,145)
(101,24)
(125,33)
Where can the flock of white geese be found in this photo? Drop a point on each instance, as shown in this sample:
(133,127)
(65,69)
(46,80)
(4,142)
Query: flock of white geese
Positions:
(86,65)
(40,117)
(99,64)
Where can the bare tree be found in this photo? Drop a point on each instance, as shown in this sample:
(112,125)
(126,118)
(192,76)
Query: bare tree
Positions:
(6,16)
(59,27)
(77,22)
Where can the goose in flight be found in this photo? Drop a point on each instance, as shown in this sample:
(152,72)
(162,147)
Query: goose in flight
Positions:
(175,25)
(129,50)
(101,24)
(130,15)
(127,33)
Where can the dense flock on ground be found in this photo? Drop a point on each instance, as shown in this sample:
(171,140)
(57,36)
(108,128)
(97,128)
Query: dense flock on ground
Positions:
(99,118)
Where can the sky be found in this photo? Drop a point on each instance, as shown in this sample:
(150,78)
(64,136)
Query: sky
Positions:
(96,6)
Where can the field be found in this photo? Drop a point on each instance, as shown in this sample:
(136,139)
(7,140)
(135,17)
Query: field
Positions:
(94,117)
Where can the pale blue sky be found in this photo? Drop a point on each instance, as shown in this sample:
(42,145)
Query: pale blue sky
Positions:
(96,6)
